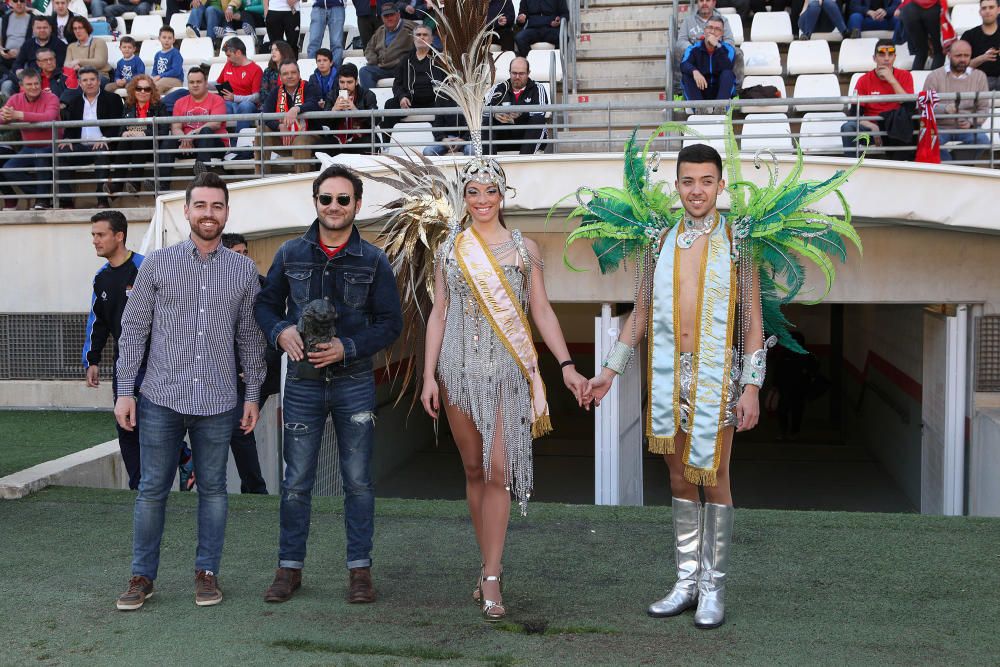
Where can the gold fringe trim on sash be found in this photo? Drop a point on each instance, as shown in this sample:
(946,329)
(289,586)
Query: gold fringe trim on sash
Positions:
(659,444)
(700,476)
(542,426)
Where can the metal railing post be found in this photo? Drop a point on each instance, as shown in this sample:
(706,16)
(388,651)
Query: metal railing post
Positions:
(156,159)
(669,60)
(55,166)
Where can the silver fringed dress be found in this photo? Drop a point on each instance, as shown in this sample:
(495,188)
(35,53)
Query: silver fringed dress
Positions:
(481,377)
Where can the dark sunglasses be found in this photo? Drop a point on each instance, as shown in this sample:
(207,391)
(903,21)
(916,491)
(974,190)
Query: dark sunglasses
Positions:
(143,89)
(889,50)
(326,199)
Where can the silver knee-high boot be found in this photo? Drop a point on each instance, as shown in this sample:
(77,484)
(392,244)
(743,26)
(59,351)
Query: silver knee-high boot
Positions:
(687,531)
(716,538)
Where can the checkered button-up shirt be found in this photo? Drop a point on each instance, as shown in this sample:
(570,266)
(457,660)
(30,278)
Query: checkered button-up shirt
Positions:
(195,312)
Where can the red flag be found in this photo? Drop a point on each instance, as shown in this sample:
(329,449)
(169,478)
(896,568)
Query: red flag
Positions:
(948,35)
(928,141)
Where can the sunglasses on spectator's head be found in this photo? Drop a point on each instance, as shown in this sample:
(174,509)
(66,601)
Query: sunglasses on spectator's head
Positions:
(886,50)
(327,199)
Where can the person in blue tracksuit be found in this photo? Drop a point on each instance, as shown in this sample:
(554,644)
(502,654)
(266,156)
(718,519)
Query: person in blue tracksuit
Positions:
(707,65)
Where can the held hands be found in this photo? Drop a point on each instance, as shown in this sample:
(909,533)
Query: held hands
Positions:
(125,412)
(601,385)
(579,385)
(748,408)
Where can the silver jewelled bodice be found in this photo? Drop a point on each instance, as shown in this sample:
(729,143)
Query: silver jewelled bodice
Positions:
(481,377)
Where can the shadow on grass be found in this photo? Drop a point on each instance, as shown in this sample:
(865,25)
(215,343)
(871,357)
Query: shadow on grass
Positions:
(422,652)
(540,627)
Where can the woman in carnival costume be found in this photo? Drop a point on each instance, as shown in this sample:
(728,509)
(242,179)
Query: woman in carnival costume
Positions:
(450,247)
(708,288)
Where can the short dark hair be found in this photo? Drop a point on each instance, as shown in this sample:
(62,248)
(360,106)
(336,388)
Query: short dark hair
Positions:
(288,62)
(235,44)
(29,73)
(115,219)
(982,1)
(166,28)
(326,53)
(234,239)
(883,42)
(206,179)
(339,171)
(127,39)
(82,21)
(197,69)
(87,70)
(699,154)
(44,49)
(350,70)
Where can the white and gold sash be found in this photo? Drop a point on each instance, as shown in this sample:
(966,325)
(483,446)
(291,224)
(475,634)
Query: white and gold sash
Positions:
(710,385)
(499,305)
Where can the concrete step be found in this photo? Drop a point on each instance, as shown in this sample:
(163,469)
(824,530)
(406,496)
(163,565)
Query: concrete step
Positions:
(597,141)
(633,82)
(597,118)
(602,98)
(621,68)
(620,19)
(639,51)
(601,41)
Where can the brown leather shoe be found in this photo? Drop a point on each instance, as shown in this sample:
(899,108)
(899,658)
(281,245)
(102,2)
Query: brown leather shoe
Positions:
(286,581)
(206,589)
(361,588)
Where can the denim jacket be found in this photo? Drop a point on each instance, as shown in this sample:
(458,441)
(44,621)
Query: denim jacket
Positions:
(358,281)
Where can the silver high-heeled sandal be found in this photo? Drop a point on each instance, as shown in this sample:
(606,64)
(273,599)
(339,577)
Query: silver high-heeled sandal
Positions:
(493,610)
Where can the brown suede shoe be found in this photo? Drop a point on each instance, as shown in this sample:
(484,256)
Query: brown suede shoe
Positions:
(361,588)
(286,581)
(206,589)
(139,590)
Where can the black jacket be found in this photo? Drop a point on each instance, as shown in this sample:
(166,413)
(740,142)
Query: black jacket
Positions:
(540,13)
(30,47)
(68,37)
(501,7)
(109,106)
(409,68)
(503,93)
(155,111)
(364,101)
(310,103)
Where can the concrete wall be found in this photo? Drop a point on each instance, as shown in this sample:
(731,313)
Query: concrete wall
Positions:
(984,492)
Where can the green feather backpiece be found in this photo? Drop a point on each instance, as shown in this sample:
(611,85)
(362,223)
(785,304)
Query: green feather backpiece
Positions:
(772,221)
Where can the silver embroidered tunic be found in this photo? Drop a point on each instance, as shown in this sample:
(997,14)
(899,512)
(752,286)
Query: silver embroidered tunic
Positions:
(481,377)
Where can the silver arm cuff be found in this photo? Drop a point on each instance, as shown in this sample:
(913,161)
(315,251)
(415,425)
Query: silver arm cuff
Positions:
(618,358)
(755,365)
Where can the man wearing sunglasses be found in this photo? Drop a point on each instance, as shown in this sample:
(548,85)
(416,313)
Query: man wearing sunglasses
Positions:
(330,263)
(885,79)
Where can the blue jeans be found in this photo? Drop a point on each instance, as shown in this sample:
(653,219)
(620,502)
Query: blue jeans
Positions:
(970,137)
(810,17)
(442,149)
(332,19)
(858,21)
(722,88)
(116,10)
(241,107)
(35,158)
(161,431)
(370,74)
(97,7)
(350,399)
(206,19)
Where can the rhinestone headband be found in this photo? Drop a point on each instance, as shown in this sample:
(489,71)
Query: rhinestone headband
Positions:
(484,170)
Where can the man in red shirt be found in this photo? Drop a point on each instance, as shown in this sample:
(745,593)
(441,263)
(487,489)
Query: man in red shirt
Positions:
(196,138)
(885,79)
(33,161)
(243,75)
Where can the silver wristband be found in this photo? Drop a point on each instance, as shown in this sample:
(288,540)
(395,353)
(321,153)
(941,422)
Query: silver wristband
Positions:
(755,365)
(617,360)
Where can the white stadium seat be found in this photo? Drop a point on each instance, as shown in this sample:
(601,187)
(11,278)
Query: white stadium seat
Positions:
(766,131)
(114,54)
(358,61)
(736,26)
(197,49)
(382,95)
(919,77)
(818,132)
(965,17)
(415,136)
(712,127)
(904,59)
(761,58)
(147,51)
(817,85)
(179,23)
(856,55)
(502,64)
(306,67)
(771,27)
(540,64)
(775,81)
(812,57)
(146,27)
(215,70)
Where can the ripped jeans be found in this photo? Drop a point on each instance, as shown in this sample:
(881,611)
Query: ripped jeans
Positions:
(350,400)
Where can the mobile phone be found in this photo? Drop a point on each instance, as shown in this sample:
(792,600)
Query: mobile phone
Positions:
(342,94)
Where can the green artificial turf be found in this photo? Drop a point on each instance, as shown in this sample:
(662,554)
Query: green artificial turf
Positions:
(807,588)
(30,437)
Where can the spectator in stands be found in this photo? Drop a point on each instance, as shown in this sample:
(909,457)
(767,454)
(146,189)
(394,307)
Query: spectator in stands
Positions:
(14,30)
(518,90)
(33,161)
(243,16)
(282,21)
(449,132)
(539,21)
(500,14)
(86,51)
(168,65)
(325,76)
(113,11)
(327,16)
(985,42)
(369,19)
(921,20)
(957,76)
(41,31)
(128,66)
(390,44)
(707,67)
(813,13)
(56,81)
(352,133)
(692,30)
(413,82)
(292,98)
(242,94)
(872,15)
(88,144)
(60,21)
(142,100)
(885,79)
(280,52)
(197,138)
(742,8)
(206,18)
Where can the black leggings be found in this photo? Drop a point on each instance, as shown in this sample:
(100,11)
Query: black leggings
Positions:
(283,26)
(923,29)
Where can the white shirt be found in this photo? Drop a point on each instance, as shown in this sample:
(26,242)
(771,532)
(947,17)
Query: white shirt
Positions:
(90,134)
(278,6)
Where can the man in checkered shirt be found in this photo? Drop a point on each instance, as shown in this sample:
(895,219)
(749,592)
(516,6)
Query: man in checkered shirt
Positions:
(193,302)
